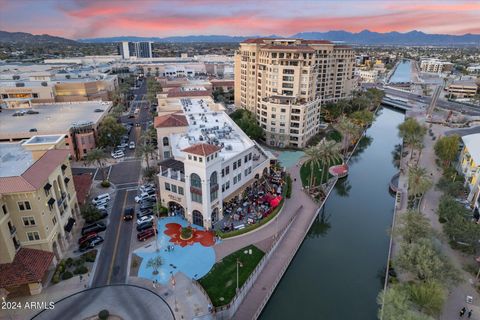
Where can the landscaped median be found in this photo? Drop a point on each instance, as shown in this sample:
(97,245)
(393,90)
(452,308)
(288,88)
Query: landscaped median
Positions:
(220,282)
(251,227)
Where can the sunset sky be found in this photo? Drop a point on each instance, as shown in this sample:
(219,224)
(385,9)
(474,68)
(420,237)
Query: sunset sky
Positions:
(105,18)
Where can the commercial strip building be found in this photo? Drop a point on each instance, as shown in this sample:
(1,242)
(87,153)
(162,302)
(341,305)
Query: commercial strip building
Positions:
(206,158)
(435,66)
(77,121)
(142,49)
(39,208)
(284,82)
(469,165)
(21,89)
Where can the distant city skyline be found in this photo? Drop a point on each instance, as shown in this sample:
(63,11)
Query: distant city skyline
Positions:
(88,18)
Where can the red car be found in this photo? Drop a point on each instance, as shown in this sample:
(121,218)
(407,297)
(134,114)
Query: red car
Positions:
(87,237)
(144,235)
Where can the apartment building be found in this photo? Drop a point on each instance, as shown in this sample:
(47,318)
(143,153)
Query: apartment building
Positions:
(39,208)
(469,165)
(435,66)
(285,82)
(367,76)
(206,158)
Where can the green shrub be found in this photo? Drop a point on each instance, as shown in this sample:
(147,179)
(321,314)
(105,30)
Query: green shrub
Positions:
(102,315)
(66,275)
(78,262)
(56,278)
(80,270)
(186,232)
(90,256)
(105,183)
(288,186)
(69,262)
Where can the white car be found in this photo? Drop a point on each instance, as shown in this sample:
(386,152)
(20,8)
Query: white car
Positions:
(145,219)
(102,198)
(131,145)
(118,155)
(123,145)
(144,196)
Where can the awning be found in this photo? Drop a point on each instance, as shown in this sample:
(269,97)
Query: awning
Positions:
(51,201)
(66,180)
(64,166)
(68,227)
(47,186)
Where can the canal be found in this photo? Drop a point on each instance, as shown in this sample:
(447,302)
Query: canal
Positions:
(403,73)
(337,271)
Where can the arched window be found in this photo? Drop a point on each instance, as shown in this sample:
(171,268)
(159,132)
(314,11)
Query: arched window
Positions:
(213,186)
(196,188)
(165,142)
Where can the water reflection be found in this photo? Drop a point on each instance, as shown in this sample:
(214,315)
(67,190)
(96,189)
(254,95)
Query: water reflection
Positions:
(321,225)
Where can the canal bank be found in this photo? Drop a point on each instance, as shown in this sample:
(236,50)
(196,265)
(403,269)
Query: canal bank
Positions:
(337,271)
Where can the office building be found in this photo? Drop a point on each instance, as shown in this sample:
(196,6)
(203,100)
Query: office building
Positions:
(141,49)
(206,158)
(284,82)
(38,210)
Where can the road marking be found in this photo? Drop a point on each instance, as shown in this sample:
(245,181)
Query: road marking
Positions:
(110,270)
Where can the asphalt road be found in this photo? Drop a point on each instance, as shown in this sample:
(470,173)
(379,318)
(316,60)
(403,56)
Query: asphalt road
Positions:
(112,265)
(128,302)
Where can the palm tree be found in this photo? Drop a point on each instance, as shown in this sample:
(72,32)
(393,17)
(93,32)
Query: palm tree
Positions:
(349,130)
(418,181)
(412,133)
(145,150)
(313,161)
(329,153)
(97,157)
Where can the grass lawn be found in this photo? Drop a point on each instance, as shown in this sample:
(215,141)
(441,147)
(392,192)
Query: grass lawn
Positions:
(317,174)
(221,281)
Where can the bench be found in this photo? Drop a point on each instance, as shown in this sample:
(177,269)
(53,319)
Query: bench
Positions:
(239,227)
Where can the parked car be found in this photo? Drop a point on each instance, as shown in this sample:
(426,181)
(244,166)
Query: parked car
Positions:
(92,243)
(146,187)
(128,214)
(33,130)
(144,196)
(123,145)
(101,198)
(144,226)
(18,114)
(118,154)
(148,212)
(144,235)
(144,219)
(147,205)
(131,145)
(87,237)
(32,112)
(95,227)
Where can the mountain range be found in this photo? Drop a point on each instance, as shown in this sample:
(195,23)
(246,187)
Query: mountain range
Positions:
(364,37)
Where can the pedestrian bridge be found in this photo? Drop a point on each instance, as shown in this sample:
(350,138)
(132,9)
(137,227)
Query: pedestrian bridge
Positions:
(396,103)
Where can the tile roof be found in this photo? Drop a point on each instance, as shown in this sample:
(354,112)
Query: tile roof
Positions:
(202,149)
(29,265)
(34,177)
(170,120)
(82,183)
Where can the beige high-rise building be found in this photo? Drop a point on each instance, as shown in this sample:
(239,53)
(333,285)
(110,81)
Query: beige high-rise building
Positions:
(285,82)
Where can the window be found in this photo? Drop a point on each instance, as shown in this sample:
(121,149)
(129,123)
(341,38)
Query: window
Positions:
(239,177)
(213,186)
(32,236)
(200,159)
(195,181)
(166,154)
(28,221)
(180,191)
(246,158)
(174,188)
(227,185)
(234,166)
(54,220)
(4,209)
(194,158)
(239,163)
(250,156)
(196,197)
(165,142)
(189,157)
(223,173)
(167,186)
(24,205)
(35,95)
(235,180)
(227,170)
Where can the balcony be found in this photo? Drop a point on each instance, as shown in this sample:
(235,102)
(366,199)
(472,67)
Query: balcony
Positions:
(62,201)
(174,175)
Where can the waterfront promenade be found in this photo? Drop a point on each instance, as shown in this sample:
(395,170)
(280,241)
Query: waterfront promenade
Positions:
(457,295)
